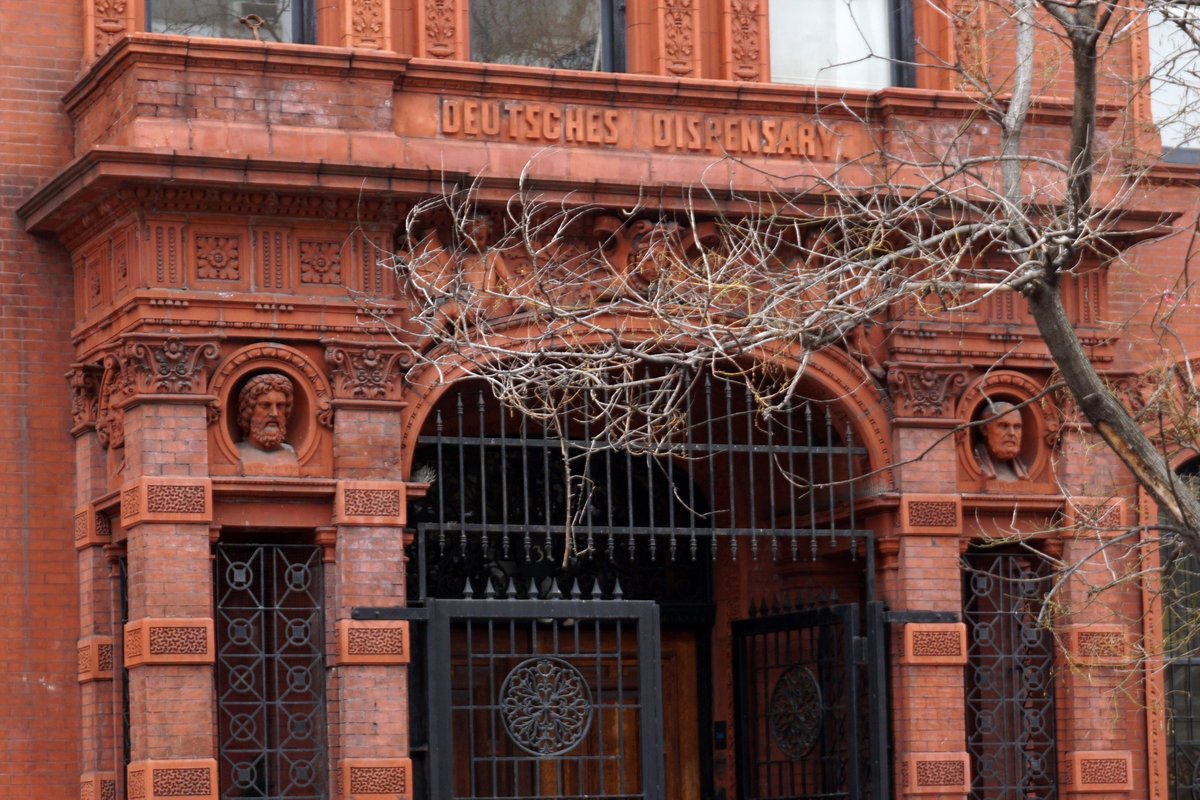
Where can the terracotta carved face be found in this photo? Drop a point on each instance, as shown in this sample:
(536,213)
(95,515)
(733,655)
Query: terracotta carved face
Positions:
(268,420)
(1003,433)
(263,410)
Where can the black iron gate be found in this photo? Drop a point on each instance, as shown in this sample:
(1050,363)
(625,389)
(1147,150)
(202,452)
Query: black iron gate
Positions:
(811,703)
(540,698)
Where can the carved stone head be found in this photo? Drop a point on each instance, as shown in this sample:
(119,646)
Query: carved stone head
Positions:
(264,407)
(998,449)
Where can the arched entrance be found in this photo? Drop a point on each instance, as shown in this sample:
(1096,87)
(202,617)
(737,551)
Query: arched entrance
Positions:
(594,603)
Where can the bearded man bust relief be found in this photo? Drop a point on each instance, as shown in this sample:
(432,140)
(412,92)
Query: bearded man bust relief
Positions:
(264,408)
(998,444)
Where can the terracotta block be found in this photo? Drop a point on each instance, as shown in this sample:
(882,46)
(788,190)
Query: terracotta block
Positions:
(370,503)
(98,786)
(935,643)
(169,641)
(931,513)
(162,499)
(935,773)
(1096,645)
(1099,771)
(95,658)
(373,642)
(92,529)
(1092,516)
(183,779)
(374,779)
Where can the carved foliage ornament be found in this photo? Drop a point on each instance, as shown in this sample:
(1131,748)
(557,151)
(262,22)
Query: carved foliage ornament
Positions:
(366,373)
(439,28)
(218,258)
(679,36)
(745,47)
(367,21)
(320,262)
(925,390)
(170,366)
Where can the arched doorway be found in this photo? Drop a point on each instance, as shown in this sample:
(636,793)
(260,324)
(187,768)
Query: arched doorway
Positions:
(732,510)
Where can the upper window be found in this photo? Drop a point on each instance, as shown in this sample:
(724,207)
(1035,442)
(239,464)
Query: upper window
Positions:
(1173,91)
(851,44)
(271,20)
(561,34)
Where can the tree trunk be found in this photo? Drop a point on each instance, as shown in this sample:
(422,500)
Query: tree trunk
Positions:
(1101,408)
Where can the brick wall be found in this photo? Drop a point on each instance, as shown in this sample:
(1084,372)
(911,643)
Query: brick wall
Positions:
(39,58)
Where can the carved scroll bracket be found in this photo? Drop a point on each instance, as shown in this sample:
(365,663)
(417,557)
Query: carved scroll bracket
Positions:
(84,381)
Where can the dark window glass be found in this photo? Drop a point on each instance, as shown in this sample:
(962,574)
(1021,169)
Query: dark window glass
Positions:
(561,34)
(274,20)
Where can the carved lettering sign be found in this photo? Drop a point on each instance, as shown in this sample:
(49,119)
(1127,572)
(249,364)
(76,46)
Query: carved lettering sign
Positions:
(535,123)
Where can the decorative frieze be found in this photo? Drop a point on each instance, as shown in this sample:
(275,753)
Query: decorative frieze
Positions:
(181,779)
(935,773)
(98,786)
(369,503)
(936,514)
(95,658)
(936,644)
(373,642)
(374,779)
(169,641)
(1099,771)
(161,499)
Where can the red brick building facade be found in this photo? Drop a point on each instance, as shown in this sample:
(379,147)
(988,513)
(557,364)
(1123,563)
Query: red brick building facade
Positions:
(184,212)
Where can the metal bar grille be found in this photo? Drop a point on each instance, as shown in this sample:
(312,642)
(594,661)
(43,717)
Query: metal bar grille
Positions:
(508,497)
(545,699)
(270,672)
(1010,681)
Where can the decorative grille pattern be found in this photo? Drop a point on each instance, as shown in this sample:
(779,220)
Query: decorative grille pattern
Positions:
(270,673)
(1010,681)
